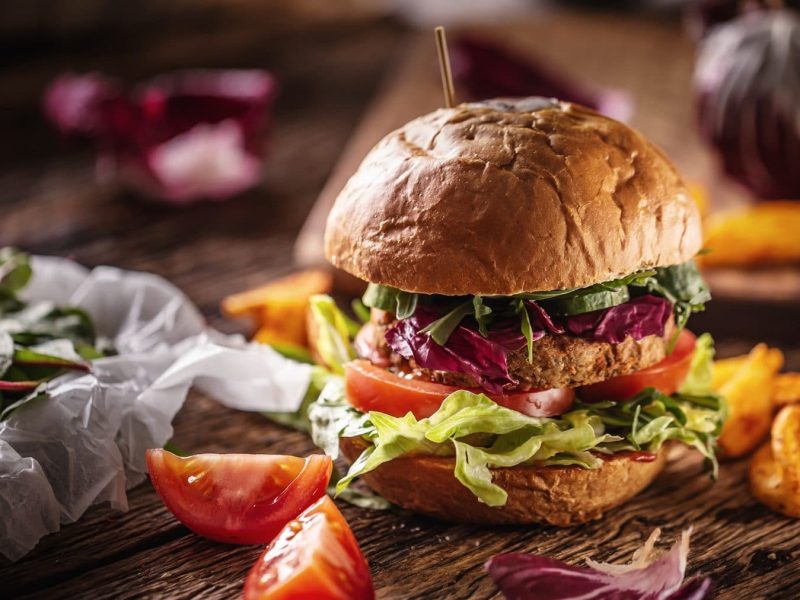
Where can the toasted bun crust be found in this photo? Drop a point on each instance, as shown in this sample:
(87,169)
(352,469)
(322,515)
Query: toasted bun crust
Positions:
(560,496)
(510,196)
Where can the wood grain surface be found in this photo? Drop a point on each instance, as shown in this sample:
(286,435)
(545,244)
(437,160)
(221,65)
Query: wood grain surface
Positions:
(51,205)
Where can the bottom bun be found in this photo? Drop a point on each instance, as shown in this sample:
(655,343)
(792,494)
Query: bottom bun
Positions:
(560,496)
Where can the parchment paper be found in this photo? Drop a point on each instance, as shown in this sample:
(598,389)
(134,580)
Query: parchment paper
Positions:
(83,442)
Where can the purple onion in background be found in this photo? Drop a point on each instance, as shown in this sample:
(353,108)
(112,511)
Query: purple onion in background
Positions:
(648,577)
(180,137)
(487,70)
(702,15)
(747,83)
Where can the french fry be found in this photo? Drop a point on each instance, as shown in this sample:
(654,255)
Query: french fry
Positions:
(775,468)
(787,389)
(278,308)
(746,383)
(765,233)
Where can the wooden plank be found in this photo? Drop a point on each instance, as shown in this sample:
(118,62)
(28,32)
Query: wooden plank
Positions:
(747,549)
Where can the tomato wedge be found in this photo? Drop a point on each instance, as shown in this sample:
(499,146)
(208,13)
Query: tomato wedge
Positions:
(372,388)
(237,498)
(315,557)
(666,376)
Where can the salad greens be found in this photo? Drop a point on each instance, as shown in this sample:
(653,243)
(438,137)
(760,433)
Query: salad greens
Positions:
(681,285)
(38,341)
(480,434)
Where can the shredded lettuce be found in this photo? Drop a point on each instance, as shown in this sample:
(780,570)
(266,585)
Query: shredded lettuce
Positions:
(481,435)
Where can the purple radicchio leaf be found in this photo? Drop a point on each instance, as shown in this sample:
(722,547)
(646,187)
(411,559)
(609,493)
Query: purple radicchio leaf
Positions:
(488,70)
(466,351)
(638,318)
(541,320)
(523,576)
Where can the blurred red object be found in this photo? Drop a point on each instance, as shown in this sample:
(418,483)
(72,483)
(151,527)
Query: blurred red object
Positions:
(487,70)
(179,137)
(747,84)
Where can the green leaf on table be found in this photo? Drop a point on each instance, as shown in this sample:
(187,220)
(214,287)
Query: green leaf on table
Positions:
(15,271)
(6,352)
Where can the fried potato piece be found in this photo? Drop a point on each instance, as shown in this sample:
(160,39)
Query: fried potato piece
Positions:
(278,308)
(764,233)
(775,468)
(787,389)
(746,383)
(699,193)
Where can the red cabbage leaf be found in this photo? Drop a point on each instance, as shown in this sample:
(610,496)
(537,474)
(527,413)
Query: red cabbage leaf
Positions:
(524,576)
(466,351)
(637,318)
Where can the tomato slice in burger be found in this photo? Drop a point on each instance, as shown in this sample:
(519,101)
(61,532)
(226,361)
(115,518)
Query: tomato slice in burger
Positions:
(237,498)
(315,557)
(372,388)
(665,376)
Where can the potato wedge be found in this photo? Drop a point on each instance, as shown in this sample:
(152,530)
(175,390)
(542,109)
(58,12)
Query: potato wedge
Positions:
(787,389)
(746,383)
(278,308)
(764,233)
(775,468)
(786,440)
(770,487)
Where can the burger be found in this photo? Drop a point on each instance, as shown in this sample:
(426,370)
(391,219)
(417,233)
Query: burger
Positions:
(524,356)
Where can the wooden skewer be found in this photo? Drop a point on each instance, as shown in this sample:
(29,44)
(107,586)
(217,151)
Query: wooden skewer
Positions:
(444,68)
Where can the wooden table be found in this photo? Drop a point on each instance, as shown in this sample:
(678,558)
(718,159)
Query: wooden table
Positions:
(51,205)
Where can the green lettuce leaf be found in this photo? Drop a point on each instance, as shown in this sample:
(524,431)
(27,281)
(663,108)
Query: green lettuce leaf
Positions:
(402,304)
(334,330)
(481,435)
(698,381)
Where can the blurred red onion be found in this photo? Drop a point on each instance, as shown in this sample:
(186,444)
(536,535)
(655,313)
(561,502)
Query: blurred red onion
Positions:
(486,70)
(702,15)
(747,81)
(180,137)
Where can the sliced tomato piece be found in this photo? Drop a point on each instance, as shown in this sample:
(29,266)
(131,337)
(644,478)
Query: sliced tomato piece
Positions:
(315,557)
(665,376)
(372,388)
(237,498)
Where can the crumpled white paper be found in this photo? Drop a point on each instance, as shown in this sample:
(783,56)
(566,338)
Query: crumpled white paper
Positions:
(85,442)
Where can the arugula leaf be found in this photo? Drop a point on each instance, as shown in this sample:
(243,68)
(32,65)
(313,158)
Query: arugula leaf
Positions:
(6,352)
(441,329)
(402,304)
(527,329)
(360,310)
(482,314)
